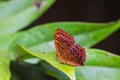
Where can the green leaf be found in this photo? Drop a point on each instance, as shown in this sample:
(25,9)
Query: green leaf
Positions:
(18,14)
(23,13)
(4,69)
(39,40)
(85,34)
(49,57)
(97,73)
(96,57)
(52,71)
(6,41)
(21,70)
(13,7)
(15,15)
(3,4)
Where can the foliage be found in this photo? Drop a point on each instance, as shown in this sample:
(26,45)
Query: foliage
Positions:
(35,46)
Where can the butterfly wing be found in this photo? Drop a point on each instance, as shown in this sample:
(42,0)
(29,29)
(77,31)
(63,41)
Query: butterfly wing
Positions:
(67,51)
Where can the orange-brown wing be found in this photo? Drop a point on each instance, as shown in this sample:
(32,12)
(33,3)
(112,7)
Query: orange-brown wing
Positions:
(67,52)
(64,38)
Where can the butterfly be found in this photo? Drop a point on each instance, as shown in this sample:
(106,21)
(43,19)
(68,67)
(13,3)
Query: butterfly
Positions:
(67,51)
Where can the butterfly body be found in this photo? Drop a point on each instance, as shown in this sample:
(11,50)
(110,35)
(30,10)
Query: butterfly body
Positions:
(67,51)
